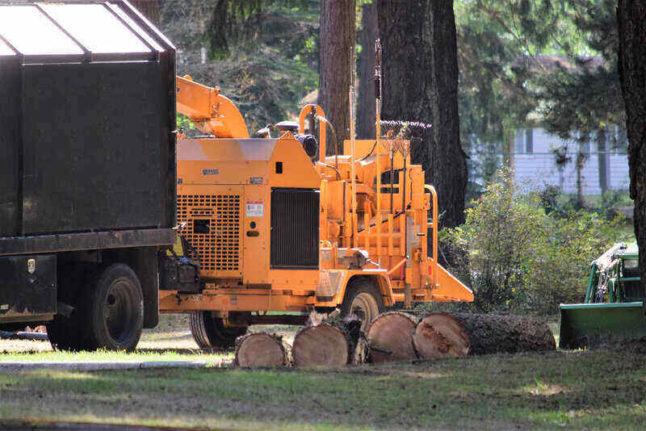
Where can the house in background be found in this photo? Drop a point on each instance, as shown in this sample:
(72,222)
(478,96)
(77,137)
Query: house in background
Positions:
(533,152)
(535,162)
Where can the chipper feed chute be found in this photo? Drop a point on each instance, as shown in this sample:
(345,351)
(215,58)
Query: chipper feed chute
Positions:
(614,303)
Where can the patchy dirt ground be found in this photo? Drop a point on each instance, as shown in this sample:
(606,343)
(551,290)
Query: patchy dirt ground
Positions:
(171,340)
(600,390)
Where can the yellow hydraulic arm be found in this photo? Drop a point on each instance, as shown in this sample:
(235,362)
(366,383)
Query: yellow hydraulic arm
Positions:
(209,110)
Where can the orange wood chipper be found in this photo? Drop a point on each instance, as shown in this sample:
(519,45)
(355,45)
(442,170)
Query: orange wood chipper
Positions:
(276,226)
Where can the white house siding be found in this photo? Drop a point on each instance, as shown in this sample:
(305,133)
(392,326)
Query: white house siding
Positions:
(534,171)
(619,167)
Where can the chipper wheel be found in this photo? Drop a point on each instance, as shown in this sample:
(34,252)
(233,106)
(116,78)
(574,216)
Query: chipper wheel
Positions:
(210,333)
(363,299)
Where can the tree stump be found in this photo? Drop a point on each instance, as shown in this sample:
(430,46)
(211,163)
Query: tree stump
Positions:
(441,335)
(260,350)
(390,337)
(322,345)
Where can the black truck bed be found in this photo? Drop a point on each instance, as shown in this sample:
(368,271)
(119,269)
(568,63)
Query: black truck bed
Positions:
(87,121)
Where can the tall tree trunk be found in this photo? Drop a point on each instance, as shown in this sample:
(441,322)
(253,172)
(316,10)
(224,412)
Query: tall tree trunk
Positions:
(337,34)
(366,100)
(420,82)
(150,8)
(631,18)
(217,29)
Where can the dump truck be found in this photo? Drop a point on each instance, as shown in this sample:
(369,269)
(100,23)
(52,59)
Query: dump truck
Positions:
(276,228)
(87,170)
(613,308)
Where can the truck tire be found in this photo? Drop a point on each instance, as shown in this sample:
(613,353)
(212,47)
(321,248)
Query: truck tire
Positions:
(363,299)
(65,332)
(210,333)
(113,309)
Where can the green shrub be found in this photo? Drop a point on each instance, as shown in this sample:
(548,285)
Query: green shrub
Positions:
(522,256)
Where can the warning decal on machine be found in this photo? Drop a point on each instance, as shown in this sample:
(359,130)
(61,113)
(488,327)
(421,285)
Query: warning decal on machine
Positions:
(254,208)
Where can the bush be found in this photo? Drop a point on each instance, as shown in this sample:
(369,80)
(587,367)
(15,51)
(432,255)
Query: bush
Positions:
(522,256)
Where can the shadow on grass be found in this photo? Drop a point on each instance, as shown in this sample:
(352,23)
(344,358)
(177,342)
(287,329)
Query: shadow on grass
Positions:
(500,391)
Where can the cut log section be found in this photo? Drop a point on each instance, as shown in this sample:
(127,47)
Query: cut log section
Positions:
(322,345)
(260,350)
(390,337)
(441,335)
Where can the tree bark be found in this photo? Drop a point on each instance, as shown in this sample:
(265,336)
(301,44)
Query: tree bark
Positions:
(631,19)
(260,350)
(390,337)
(150,8)
(441,335)
(366,109)
(420,83)
(337,39)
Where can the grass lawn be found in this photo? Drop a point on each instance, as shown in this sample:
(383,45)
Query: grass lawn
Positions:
(169,341)
(601,390)
(598,390)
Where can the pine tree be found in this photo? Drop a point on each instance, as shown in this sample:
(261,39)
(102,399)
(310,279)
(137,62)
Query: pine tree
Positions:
(366,107)
(631,18)
(336,64)
(150,8)
(420,83)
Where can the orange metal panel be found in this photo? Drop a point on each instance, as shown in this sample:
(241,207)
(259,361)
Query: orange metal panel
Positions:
(210,111)
(257,233)
(210,219)
(297,169)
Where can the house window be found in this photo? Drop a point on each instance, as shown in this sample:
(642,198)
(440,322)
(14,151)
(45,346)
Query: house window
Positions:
(524,141)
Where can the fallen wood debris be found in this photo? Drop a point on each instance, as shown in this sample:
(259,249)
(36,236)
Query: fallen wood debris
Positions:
(390,337)
(260,350)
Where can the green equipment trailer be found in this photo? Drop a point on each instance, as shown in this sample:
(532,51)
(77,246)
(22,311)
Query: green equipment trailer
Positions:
(613,308)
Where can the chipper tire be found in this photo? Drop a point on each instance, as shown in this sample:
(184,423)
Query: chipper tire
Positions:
(364,300)
(210,333)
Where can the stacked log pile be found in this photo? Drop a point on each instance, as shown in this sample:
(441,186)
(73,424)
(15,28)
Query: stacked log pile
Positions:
(397,336)
(456,335)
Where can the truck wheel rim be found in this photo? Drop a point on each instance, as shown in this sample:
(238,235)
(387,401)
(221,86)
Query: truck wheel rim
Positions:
(118,310)
(364,306)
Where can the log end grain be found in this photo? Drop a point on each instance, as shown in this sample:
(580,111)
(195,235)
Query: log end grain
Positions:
(260,350)
(390,337)
(439,335)
(322,345)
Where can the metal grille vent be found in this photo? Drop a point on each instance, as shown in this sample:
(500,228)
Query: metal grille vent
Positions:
(212,228)
(295,229)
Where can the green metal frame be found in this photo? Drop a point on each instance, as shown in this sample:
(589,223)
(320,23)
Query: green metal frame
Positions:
(616,291)
(584,324)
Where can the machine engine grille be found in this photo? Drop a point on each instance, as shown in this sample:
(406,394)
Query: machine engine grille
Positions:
(294,229)
(212,228)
